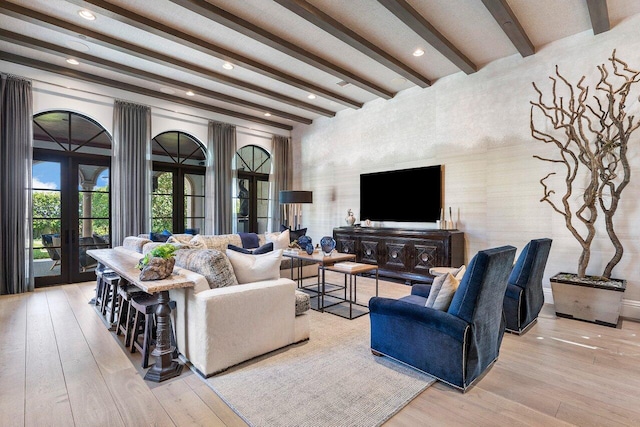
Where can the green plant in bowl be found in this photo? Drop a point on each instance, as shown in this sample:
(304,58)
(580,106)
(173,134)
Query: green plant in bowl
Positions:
(165,251)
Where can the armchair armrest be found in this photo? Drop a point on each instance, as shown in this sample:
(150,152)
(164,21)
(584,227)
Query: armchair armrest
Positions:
(514,292)
(421,290)
(440,321)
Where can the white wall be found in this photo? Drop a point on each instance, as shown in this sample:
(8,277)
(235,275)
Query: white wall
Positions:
(477,126)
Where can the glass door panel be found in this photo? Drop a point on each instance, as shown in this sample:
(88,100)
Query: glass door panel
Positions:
(162,202)
(93,226)
(242,205)
(194,202)
(47,216)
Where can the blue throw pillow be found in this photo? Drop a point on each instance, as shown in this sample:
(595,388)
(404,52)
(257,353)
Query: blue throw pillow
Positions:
(267,247)
(249,240)
(159,237)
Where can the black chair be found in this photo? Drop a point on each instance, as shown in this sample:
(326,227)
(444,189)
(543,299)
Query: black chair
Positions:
(456,346)
(85,260)
(54,253)
(524,297)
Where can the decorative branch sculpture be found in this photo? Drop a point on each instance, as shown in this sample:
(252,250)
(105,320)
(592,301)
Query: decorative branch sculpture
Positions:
(592,142)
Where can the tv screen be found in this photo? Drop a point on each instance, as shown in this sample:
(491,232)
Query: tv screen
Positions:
(407,195)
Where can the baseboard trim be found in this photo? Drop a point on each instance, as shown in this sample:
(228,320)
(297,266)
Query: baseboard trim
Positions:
(630,308)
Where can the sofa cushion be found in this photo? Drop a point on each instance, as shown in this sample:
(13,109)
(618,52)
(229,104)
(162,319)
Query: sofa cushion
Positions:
(267,247)
(212,264)
(255,268)
(135,243)
(220,242)
(442,290)
(280,240)
(303,302)
(180,238)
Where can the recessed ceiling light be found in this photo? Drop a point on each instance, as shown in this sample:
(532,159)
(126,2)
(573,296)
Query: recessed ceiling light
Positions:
(167,90)
(80,47)
(227,66)
(72,61)
(311,96)
(267,114)
(398,81)
(87,15)
(418,52)
(190,93)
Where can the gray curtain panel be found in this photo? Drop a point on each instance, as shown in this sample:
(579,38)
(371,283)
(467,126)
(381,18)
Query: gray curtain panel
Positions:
(16,154)
(281,176)
(221,149)
(131,170)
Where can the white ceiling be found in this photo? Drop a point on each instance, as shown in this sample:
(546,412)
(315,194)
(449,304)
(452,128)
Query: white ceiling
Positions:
(466,24)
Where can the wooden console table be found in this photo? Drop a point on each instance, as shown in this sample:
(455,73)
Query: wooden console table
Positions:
(124,265)
(402,253)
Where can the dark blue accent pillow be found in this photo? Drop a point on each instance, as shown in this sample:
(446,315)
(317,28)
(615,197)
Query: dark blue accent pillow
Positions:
(192,231)
(294,234)
(249,240)
(267,247)
(159,237)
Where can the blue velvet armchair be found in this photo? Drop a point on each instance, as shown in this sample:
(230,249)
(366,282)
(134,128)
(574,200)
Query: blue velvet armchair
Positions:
(524,298)
(456,346)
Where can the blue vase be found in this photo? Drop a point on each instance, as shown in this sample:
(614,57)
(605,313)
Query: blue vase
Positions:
(309,248)
(327,244)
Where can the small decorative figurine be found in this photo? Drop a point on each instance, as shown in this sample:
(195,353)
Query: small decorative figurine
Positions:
(351,219)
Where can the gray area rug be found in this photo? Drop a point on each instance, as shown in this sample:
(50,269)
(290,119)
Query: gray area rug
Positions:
(330,380)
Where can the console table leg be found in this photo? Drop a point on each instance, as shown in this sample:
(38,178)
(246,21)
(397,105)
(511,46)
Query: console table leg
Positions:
(164,367)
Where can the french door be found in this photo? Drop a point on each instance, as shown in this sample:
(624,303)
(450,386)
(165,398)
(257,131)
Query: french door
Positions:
(252,207)
(71,205)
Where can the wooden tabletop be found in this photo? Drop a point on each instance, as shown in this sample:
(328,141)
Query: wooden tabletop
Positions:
(319,257)
(125,265)
(352,267)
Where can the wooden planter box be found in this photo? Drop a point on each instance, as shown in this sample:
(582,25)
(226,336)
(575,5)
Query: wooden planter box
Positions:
(591,301)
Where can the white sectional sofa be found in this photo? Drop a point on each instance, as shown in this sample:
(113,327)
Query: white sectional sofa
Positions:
(219,327)
(220,242)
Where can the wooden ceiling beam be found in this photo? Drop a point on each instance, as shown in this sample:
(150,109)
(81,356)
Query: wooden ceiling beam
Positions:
(353,39)
(143,23)
(507,20)
(74,74)
(416,22)
(43,46)
(599,15)
(222,17)
(50,22)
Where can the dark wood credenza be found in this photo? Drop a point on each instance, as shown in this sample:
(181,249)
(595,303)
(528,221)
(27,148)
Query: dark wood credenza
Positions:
(402,253)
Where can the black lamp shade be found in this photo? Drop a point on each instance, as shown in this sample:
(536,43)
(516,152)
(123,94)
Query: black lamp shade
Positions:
(290,197)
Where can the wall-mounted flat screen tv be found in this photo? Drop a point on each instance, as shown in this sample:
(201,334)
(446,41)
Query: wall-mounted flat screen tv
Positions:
(407,195)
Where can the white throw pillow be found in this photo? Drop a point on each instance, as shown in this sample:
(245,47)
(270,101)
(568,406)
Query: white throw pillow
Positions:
(442,290)
(251,268)
(459,273)
(280,240)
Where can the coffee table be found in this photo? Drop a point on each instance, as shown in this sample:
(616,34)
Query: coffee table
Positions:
(323,261)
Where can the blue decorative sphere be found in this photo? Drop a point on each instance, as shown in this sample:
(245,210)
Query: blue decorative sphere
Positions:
(328,244)
(303,241)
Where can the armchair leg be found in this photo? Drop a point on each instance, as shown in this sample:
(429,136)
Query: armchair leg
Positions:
(376,353)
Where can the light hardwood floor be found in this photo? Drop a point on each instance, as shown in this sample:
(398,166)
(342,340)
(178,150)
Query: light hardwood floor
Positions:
(60,366)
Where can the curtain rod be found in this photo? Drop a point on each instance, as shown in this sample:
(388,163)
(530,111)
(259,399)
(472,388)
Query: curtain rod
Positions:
(154,106)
